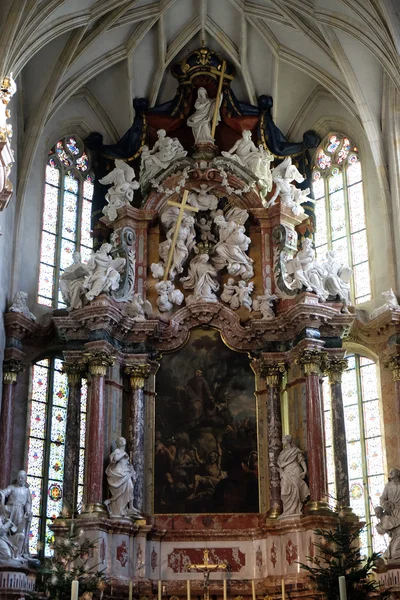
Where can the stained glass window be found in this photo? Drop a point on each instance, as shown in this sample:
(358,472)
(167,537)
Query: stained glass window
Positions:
(339,210)
(364,444)
(45,460)
(66,215)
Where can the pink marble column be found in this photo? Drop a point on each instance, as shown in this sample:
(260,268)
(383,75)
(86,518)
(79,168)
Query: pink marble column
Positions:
(137,376)
(311,361)
(75,371)
(11,368)
(98,364)
(273,376)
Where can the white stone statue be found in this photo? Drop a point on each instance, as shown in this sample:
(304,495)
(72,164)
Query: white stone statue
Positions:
(201,278)
(257,160)
(242,296)
(16,506)
(7,549)
(306,271)
(229,291)
(292,470)
(72,282)
(168,296)
(19,306)
(104,272)
(390,304)
(337,279)
(203,200)
(264,304)
(299,197)
(230,250)
(389,514)
(121,192)
(160,157)
(185,242)
(201,120)
(7,90)
(121,477)
(205,230)
(138,308)
(282,175)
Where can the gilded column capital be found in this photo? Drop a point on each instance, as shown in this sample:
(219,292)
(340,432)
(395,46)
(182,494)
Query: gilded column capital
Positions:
(75,371)
(11,368)
(311,361)
(99,362)
(272,372)
(138,374)
(394,365)
(334,366)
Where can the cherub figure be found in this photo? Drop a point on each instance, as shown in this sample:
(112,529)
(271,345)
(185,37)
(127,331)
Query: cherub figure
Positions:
(168,296)
(121,192)
(229,290)
(138,308)
(282,176)
(264,304)
(205,230)
(243,295)
(202,199)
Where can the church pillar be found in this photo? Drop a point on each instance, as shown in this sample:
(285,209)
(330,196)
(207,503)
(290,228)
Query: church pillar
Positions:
(272,374)
(137,375)
(394,365)
(11,368)
(311,362)
(75,372)
(98,364)
(334,368)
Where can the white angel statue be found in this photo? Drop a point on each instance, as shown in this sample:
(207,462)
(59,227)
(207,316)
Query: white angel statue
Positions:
(264,304)
(138,308)
(282,176)
(203,200)
(168,296)
(121,192)
(104,272)
(185,242)
(230,251)
(159,158)
(201,279)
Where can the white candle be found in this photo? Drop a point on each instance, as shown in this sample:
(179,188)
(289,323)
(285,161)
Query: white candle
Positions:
(130,590)
(188,589)
(159,590)
(74,590)
(283,589)
(342,588)
(253,589)
(224,589)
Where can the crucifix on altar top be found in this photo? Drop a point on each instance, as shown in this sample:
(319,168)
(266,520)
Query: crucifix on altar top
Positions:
(207,568)
(182,207)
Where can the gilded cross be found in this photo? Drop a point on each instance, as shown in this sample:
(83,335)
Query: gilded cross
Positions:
(182,207)
(207,568)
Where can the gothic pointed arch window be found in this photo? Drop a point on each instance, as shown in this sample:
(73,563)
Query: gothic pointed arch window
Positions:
(47,423)
(66,215)
(339,209)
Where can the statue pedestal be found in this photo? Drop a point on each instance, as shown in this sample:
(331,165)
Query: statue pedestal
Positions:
(204,151)
(389,576)
(16,581)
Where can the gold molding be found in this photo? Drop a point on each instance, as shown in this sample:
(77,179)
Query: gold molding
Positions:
(311,361)
(334,367)
(11,368)
(272,372)
(138,374)
(75,370)
(394,365)
(99,362)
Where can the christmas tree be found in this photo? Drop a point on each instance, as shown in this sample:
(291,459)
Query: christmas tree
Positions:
(339,555)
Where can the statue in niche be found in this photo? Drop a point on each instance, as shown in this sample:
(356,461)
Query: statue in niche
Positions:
(201,278)
(185,242)
(337,279)
(121,192)
(282,176)
(390,304)
(168,296)
(200,121)
(202,199)
(230,250)
(72,282)
(264,304)
(257,160)
(160,157)
(19,306)
(388,514)
(306,271)
(16,511)
(104,272)
(121,477)
(292,470)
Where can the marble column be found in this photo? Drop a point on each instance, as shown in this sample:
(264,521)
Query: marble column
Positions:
(311,361)
(11,368)
(334,368)
(137,376)
(272,373)
(98,363)
(394,365)
(75,371)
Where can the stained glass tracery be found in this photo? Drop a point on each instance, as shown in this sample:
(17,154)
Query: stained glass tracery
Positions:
(339,210)
(66,215)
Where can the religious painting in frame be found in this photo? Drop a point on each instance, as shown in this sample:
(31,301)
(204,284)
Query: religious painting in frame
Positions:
(205,457)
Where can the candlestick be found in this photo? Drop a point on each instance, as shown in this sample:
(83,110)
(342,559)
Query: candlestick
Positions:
(188,589)
(159,590)
(342,588)
(74,590)
(283,589)
(224,589)
(253,589)
(130,590)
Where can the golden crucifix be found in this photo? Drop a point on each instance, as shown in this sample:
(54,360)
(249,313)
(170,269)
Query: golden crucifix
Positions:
(207,568)
(182,207)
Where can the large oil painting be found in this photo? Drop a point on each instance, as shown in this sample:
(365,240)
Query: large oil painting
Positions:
(206,435)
